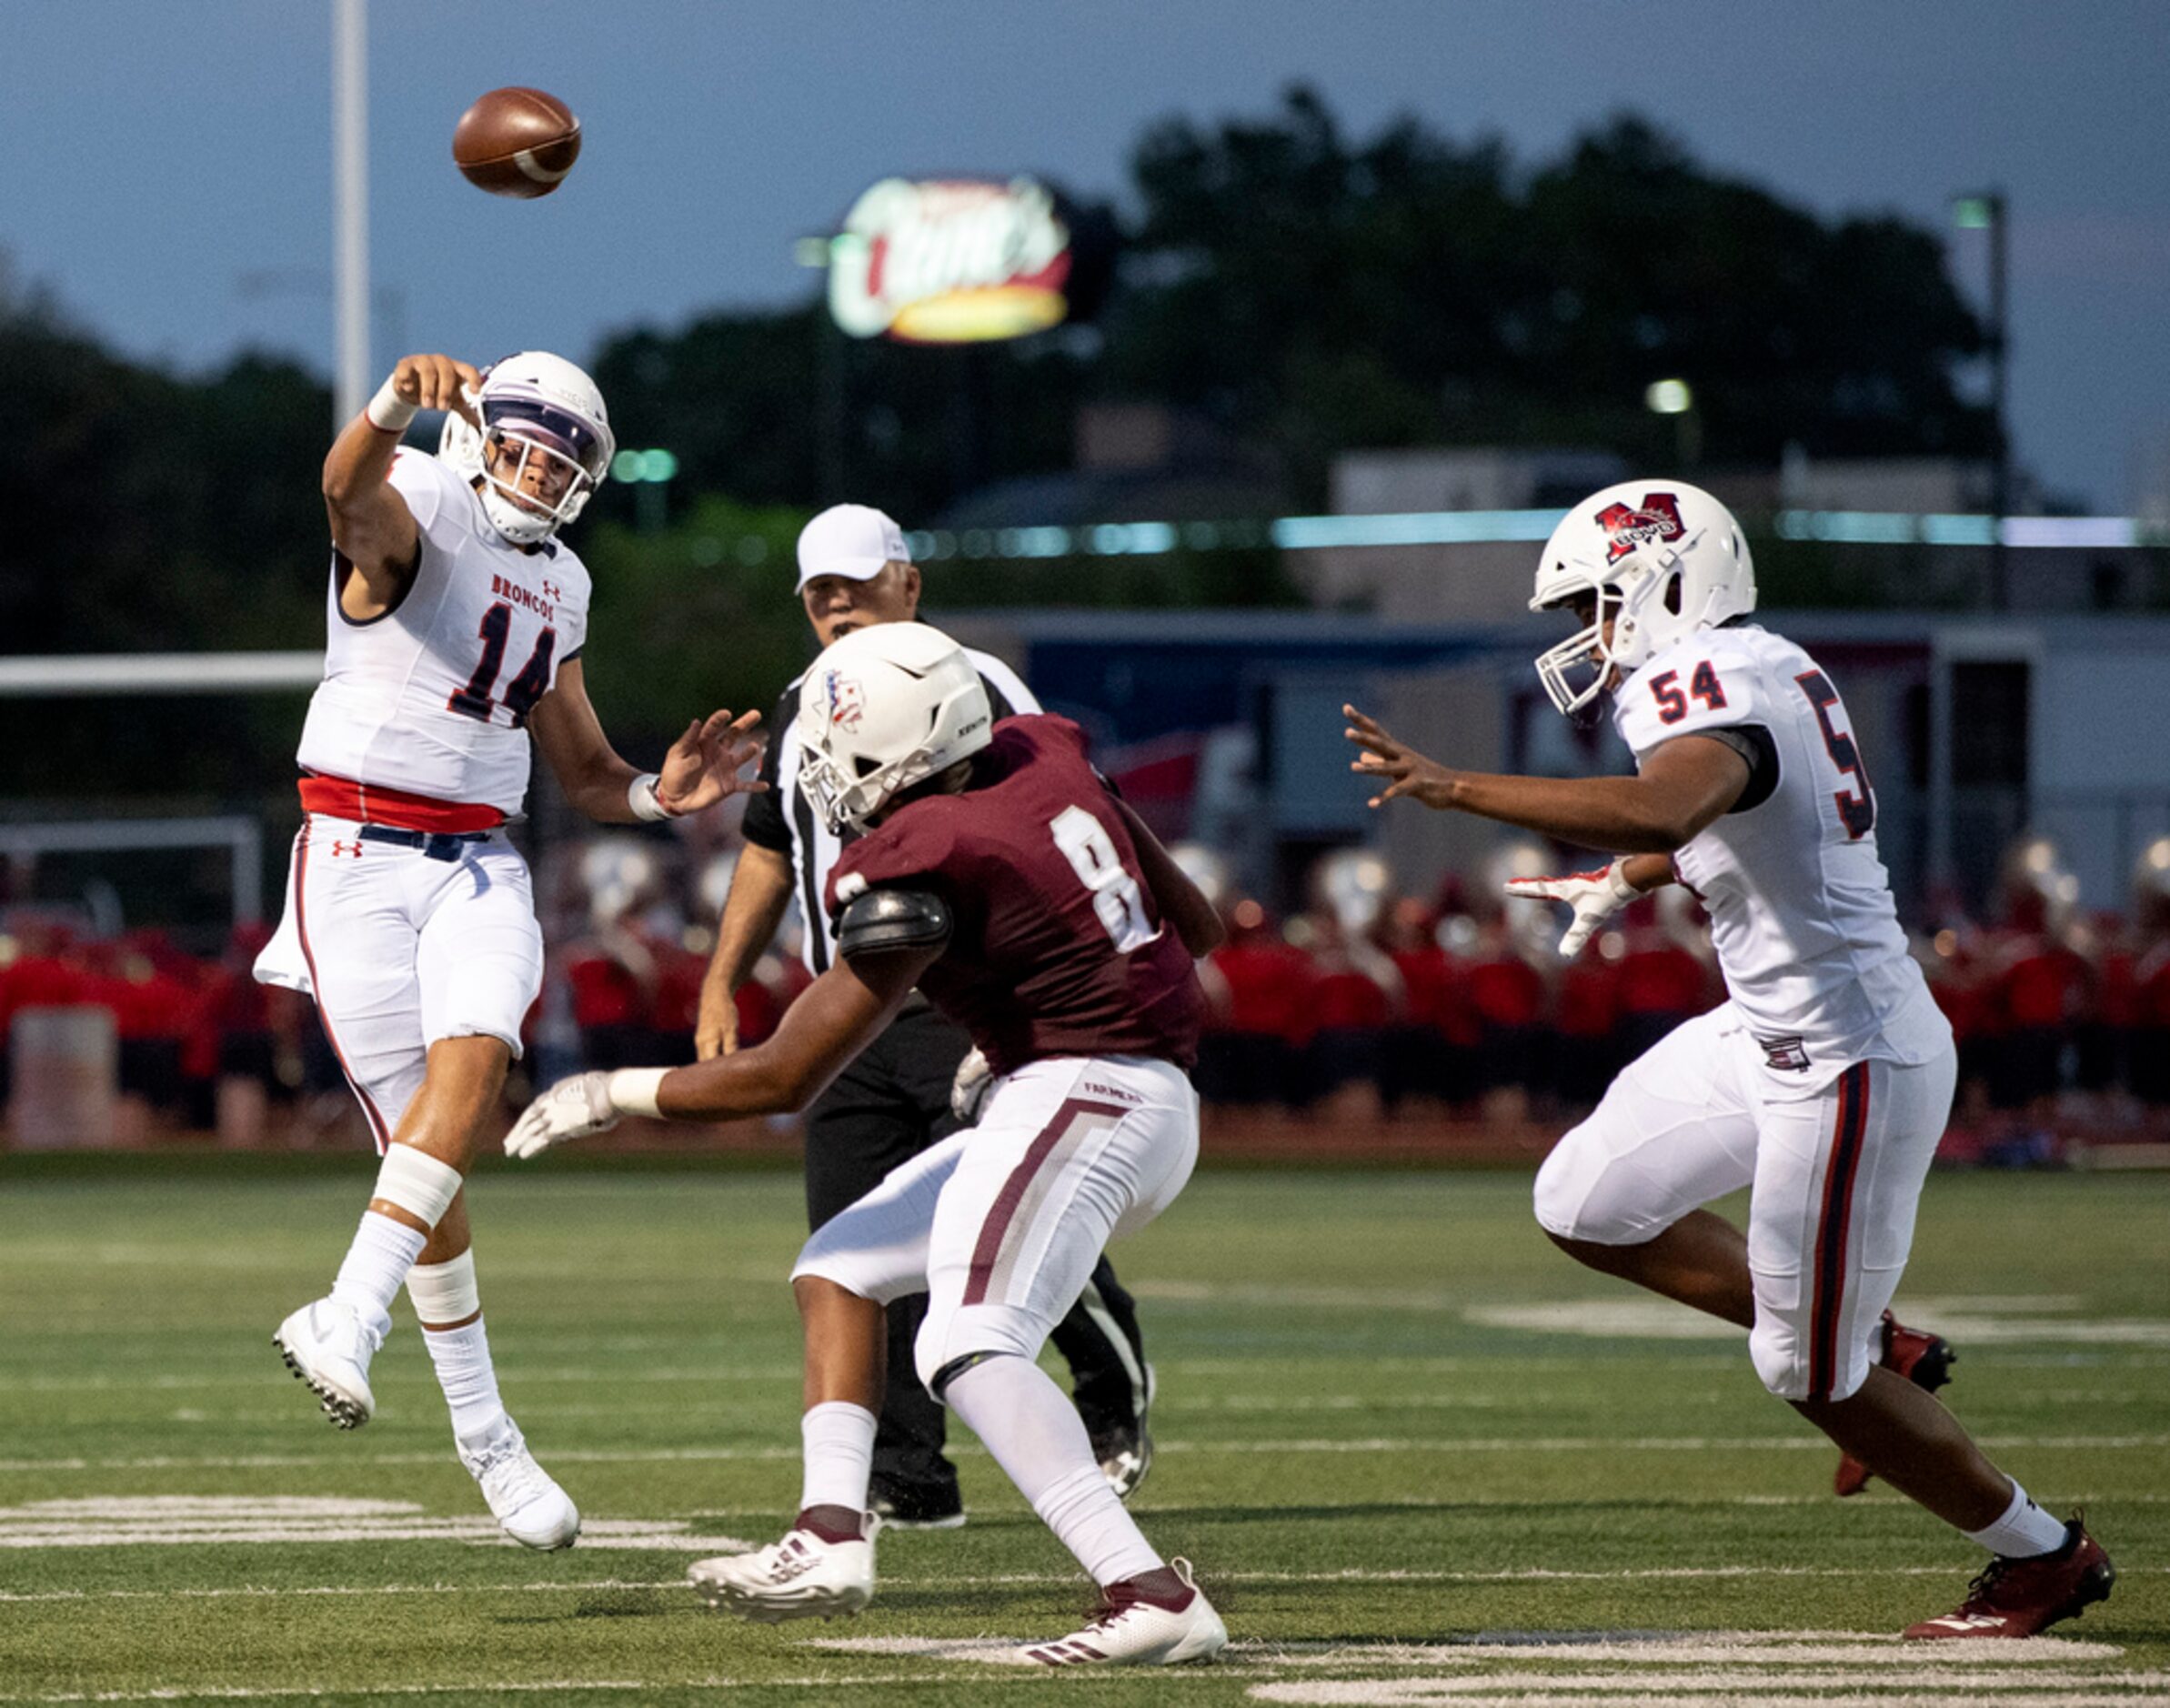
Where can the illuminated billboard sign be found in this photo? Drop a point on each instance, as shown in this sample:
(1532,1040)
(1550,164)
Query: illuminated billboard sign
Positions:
(952,261)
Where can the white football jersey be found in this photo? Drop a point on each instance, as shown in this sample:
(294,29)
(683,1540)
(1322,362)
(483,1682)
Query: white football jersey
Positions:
(1801,907)
(433,697)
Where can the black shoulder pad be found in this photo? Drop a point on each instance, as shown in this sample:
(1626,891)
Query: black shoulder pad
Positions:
(878,920)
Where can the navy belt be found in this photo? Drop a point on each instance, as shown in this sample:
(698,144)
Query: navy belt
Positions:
(437,845)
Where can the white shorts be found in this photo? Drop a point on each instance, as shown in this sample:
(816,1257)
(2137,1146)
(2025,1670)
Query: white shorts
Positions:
(400,949)
(1001,1224)
(1835,1176)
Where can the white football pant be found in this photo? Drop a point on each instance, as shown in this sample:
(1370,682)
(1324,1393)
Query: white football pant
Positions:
(1001,1224)
(400,949)
(1835,1174)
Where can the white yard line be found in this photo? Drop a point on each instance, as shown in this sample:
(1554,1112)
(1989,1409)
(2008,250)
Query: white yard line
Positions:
(1722,1690)
(500,1687)
(1022,1580)
(243,1378)
(1381,1445)
(1201,1368)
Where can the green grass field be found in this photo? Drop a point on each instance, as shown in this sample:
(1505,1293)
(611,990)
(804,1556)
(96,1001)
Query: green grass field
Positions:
(1417,1455)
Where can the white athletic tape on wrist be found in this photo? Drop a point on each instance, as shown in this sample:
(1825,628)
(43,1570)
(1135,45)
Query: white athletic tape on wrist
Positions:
(634,1090)
(388,412)
(444,1292)
(640,796)
(418,1182)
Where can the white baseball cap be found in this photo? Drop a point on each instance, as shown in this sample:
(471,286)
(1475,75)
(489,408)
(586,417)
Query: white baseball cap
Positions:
(851,540)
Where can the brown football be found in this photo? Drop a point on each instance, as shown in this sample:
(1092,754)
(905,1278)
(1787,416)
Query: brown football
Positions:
(517,142)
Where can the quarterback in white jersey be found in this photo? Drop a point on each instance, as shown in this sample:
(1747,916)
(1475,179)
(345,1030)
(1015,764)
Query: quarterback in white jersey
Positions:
(1824,1082)
(455,622)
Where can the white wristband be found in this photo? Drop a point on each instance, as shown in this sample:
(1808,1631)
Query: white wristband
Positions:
(640,796)
(388,412)
(634,1090)
(1617,881)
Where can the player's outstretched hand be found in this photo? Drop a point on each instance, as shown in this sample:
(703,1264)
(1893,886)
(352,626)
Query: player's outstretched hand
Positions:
(708,762)
(1594,896)
(968,1091)
(572,1108)
(438,382)
(1406,771)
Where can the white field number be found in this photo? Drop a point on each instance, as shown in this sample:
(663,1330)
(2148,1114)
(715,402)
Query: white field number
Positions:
(1086,845)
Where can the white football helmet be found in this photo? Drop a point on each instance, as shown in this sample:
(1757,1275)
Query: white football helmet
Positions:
(1354,885)
(1660,559)
(884,707)
(535,405)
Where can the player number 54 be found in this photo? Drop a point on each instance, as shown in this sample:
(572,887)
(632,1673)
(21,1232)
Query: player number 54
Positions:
(1086,844)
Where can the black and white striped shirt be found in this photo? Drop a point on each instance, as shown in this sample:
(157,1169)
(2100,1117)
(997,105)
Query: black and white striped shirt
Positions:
(784,821)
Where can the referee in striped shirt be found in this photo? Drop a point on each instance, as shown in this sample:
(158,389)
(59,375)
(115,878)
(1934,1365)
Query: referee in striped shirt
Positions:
(893,1100)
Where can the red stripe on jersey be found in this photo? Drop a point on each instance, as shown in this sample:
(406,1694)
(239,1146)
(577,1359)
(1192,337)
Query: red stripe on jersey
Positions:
(366,803)
(323,1017)
(989,1250)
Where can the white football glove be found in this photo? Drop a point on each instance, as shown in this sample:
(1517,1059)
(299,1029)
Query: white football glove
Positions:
(572,1108)
(968,1091)
(1594,896)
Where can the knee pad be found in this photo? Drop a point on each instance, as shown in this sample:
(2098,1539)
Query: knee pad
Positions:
(1587,1190)
(937,1385)
(1781,1360)
(1567,1198)
(951,1340)
(833,1257)
(1780,1355)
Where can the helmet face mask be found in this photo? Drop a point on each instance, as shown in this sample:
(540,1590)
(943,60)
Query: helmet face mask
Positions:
(1581,668)
(1658,561)
(883,709)
(539,412)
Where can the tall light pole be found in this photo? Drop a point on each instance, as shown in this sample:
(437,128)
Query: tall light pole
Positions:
(350,204)
(1984,210)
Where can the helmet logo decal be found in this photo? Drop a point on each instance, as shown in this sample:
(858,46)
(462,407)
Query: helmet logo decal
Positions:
(845,699)
(1628,528)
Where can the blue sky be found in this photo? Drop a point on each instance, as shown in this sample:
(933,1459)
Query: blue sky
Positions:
(159,154)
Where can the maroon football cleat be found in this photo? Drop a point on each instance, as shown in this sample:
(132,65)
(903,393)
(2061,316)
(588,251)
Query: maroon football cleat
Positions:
(1924,1359)
(2016,1598)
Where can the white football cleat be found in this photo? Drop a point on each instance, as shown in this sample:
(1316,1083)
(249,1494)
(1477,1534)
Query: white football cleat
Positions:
(329,1346)
(1141,1627)
(534,1511)
(800,1577)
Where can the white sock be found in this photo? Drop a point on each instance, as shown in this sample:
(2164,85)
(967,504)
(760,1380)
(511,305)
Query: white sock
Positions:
(462,1357)
(376,1262)
(2025,1529)
(837,1437)
(1034,1433)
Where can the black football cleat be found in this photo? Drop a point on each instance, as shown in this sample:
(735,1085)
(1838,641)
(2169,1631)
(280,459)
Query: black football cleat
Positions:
(915,1505)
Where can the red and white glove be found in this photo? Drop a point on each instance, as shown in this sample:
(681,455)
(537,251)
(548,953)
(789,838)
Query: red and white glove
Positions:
(1594,896)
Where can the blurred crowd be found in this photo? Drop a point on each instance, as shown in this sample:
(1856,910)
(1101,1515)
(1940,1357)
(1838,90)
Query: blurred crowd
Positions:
(1364,1002)
(1461,997)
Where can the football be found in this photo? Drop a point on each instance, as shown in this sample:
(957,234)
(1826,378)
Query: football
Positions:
(517,142)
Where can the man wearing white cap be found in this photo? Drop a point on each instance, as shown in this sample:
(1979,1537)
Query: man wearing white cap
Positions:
(894,1100)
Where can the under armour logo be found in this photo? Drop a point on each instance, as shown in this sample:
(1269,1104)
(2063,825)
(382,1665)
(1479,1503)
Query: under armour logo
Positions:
(551,591)
(354,849)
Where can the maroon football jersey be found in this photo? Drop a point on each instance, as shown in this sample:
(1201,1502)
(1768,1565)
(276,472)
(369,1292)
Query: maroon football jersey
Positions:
(1058,946)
